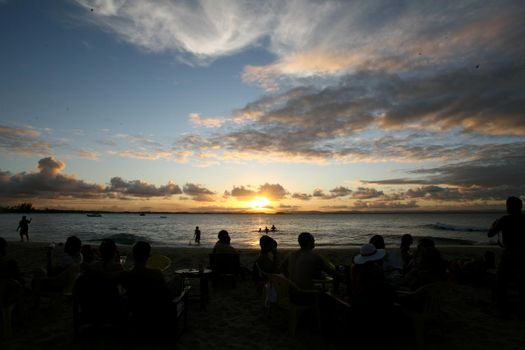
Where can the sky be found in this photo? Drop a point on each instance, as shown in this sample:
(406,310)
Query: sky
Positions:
(262,106)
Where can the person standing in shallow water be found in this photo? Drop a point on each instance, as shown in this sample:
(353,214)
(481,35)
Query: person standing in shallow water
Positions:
(23,226)
(197,236)
(512,228)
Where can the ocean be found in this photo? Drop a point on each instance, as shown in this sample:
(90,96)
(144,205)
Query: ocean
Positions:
(330,230)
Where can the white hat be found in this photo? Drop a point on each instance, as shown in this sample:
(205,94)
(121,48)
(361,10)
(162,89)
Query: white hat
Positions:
(368,252)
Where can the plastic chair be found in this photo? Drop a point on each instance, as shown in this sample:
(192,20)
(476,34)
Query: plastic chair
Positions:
(284,289)
(61,285)
(9,291)
(159,262)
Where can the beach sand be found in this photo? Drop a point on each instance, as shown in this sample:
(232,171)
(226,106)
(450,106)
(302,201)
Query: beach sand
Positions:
(236,318)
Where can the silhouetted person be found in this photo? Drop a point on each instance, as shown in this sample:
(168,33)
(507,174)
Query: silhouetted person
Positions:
(304,265)
(197,236)
(223,244)
(273,228)
(372,298)
(392,265)
(512,228)
(268,260)
(427,266)
(88,254)
(71,256)
(148,295)
(23,226)
(368,282)
(109,257)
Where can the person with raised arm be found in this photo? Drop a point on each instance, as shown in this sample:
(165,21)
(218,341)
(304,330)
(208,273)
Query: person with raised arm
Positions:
(23,226)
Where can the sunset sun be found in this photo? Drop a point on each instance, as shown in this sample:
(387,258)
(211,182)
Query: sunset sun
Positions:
(259,203)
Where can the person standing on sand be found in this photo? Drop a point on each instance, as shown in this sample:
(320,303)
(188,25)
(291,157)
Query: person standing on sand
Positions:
(23,226)
(512,228)
(197,236)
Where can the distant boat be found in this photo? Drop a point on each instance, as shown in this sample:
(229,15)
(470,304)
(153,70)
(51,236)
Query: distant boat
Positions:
(142,214)
(94,215)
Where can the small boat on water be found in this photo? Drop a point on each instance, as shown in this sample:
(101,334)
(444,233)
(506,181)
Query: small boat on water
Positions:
(142,214)
(94,215)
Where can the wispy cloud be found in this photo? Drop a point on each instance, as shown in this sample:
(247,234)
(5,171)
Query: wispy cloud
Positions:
(23,141)
(197,120)
(203,30)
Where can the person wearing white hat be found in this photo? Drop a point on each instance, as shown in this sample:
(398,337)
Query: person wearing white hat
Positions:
(367,275)
(368,252)
(372,298)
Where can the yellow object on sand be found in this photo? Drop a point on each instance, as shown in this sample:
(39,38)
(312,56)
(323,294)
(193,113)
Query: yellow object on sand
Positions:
(159,262)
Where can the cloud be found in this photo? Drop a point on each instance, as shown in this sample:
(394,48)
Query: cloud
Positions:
(336,207)
(143,155)
(339,191)
(288,206)
(138,188)
(48,182)
(352,72)
(198,192)
(23,141)
(203,30)
(87,154)
(498,172)
(138,147)
(302,196)
(310,37)
(243,193)
(196,120)
(270,191)
(349,121)
(366,193)
(385,205)
(381,35)
(319,193)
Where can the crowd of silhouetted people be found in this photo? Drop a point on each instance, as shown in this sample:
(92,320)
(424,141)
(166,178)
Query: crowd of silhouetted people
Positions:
(374,282)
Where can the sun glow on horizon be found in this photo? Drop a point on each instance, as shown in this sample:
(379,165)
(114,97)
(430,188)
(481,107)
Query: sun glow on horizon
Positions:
(259,203)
